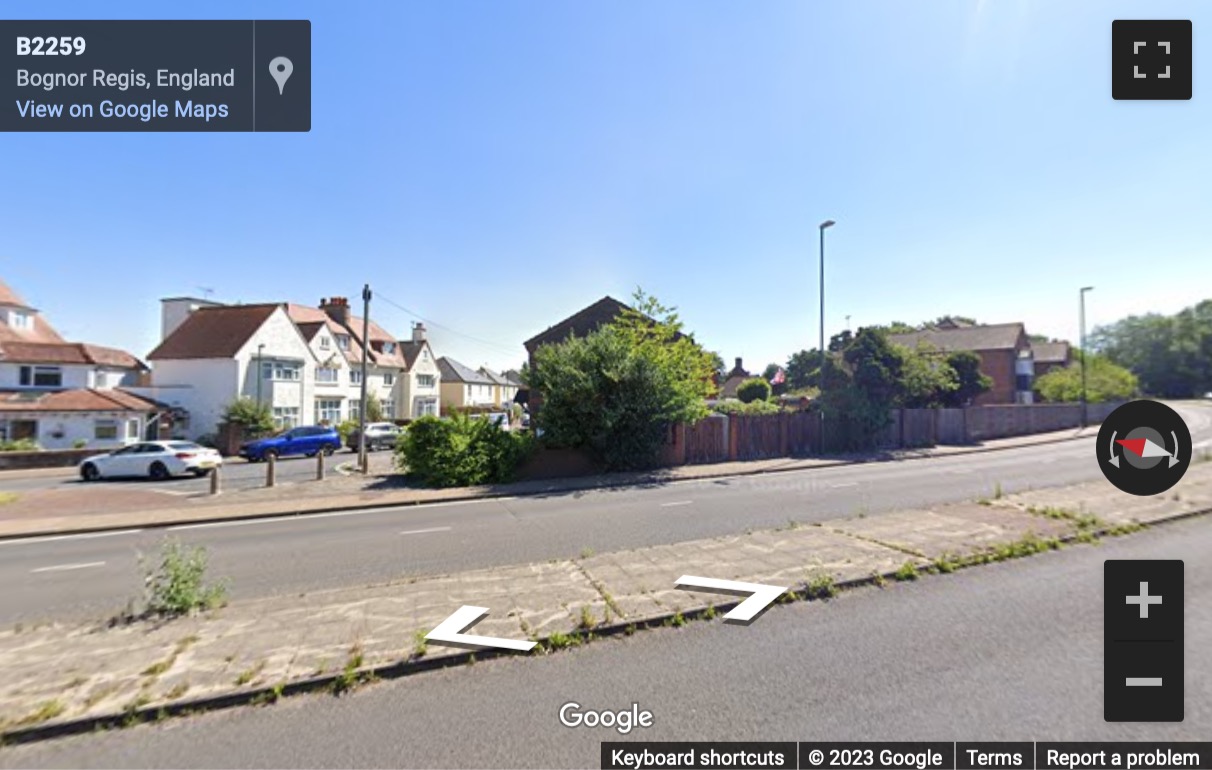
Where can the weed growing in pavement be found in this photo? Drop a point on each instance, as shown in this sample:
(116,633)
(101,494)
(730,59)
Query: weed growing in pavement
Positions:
(587,552)
(878,580)
(821,587)
(160,666)
(420,645)
(677,621)
(558,641)
(907,571)
(997,491)
(46,711)
(176,585)
(177,691)
(8,497)
(248,675)
(629,630)
(946,564)
(710,612)
(587,620)
(351,677)
(272,695)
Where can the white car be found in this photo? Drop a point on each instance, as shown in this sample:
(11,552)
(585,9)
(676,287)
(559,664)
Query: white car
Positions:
(157,459)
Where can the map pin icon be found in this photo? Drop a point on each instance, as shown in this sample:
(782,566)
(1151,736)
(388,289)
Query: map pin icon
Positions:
(280,67)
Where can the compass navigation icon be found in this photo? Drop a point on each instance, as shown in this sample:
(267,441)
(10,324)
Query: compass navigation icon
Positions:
(1134,441)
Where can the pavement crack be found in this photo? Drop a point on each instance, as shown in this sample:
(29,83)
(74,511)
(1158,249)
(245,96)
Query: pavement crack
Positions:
(876,541)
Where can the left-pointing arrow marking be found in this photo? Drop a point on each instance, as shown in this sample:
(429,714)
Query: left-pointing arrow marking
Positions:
(747,610)
(450,631)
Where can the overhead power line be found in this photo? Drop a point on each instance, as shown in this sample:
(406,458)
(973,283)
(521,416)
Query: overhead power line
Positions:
(512,349)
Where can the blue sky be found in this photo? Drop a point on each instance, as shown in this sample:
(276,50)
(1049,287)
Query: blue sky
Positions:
(494,166)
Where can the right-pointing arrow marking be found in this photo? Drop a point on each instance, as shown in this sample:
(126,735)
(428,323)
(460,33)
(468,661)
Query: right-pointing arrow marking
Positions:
(451,631)
(747,610)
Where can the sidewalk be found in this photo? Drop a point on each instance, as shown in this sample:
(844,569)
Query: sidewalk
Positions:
(146,509)
(62,677)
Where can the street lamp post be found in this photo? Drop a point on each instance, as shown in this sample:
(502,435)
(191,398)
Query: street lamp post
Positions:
(821,374)
(1081,295)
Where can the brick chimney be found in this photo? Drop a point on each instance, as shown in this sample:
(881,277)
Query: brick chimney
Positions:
(337,309)
(738,369)
(418,332)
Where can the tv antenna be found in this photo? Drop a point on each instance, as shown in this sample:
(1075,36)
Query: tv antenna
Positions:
(207,292)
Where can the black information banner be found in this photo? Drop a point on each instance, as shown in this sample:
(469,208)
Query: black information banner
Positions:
(912,755)
(155,75)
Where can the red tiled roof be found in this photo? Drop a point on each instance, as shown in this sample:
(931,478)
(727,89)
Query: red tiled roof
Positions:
(213,332)
(80,400)
(67,353)
(10,297)
(305,315)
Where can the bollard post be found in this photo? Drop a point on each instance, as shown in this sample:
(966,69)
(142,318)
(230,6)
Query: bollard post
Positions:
(271,471)
(214,480)
(319,466)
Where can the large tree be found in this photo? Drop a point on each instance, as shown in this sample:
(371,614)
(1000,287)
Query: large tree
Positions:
(1171,355)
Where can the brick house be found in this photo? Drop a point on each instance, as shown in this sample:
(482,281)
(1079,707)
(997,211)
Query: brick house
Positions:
(1004,350)
(580,324)
(1051,355)
(733,380)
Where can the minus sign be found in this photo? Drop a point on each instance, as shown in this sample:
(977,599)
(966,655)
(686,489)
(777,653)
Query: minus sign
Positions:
(1144,681)
(1143,640)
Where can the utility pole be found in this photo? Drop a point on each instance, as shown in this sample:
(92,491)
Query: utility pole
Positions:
(362,458)
(821,374)
(1081,295)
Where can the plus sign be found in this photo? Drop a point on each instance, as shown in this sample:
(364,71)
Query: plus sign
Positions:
(1144,600)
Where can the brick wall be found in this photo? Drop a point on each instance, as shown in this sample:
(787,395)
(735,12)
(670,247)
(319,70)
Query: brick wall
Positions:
(998,365)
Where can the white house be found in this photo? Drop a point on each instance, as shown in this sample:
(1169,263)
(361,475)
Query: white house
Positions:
(463,386)
(65,394)
(422,386)
(304,362)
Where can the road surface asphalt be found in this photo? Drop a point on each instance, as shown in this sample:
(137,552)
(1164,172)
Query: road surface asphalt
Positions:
(1011,651)
(93,576)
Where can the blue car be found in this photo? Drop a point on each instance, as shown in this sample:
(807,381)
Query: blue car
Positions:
(307,440)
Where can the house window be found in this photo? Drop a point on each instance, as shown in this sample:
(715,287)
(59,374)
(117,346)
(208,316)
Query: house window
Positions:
(425,380)
(105,430)
(343,341)
(132,430)
(355,410)
(1022,382)
(328,411)
(41,376)
(389,379)
(325,343)
(426,406)
(355,376)
(286,417)
(389,409)
(20,320)
(327,375)
(389,347)
(279,370)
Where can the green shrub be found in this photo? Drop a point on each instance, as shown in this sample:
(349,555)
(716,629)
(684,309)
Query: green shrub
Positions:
(753,407)
(753,389)
(256,419)
(345,428)
(460,451)
(20,445)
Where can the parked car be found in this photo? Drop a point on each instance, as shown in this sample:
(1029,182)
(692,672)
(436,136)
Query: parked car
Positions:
(379,435)
(157,459)
(497,418)
(305,440)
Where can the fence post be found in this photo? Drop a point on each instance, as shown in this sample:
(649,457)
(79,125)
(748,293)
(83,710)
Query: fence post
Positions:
(214,480)
(319,466)
(271,470)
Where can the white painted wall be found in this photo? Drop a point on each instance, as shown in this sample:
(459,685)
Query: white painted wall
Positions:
(61,430)
(201,386)
(282,341)
(413,394)
(74,375)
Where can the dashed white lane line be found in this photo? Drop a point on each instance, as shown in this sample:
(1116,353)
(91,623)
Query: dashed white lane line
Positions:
(678,503)
(844,484)
(83,536)
(304,517)
(425,531)
(67,567)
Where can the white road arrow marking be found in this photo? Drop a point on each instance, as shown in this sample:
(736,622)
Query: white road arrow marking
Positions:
(747,610)
(451,631)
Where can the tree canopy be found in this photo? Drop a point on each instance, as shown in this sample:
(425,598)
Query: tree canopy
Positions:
(1171,355)
(1105,381)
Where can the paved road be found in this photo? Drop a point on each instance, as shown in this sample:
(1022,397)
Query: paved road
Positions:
(1006,652)
(92,576)
(237,474)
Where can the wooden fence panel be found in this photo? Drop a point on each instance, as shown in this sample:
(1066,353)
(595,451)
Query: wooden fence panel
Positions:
(706,440)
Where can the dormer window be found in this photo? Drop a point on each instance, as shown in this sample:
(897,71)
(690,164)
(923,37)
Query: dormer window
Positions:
(389,348)
(40,377)
(343,341)
(19,319)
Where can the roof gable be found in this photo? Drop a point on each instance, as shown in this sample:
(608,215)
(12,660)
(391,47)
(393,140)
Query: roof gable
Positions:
(213,332)
(580,323)
(453,371)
